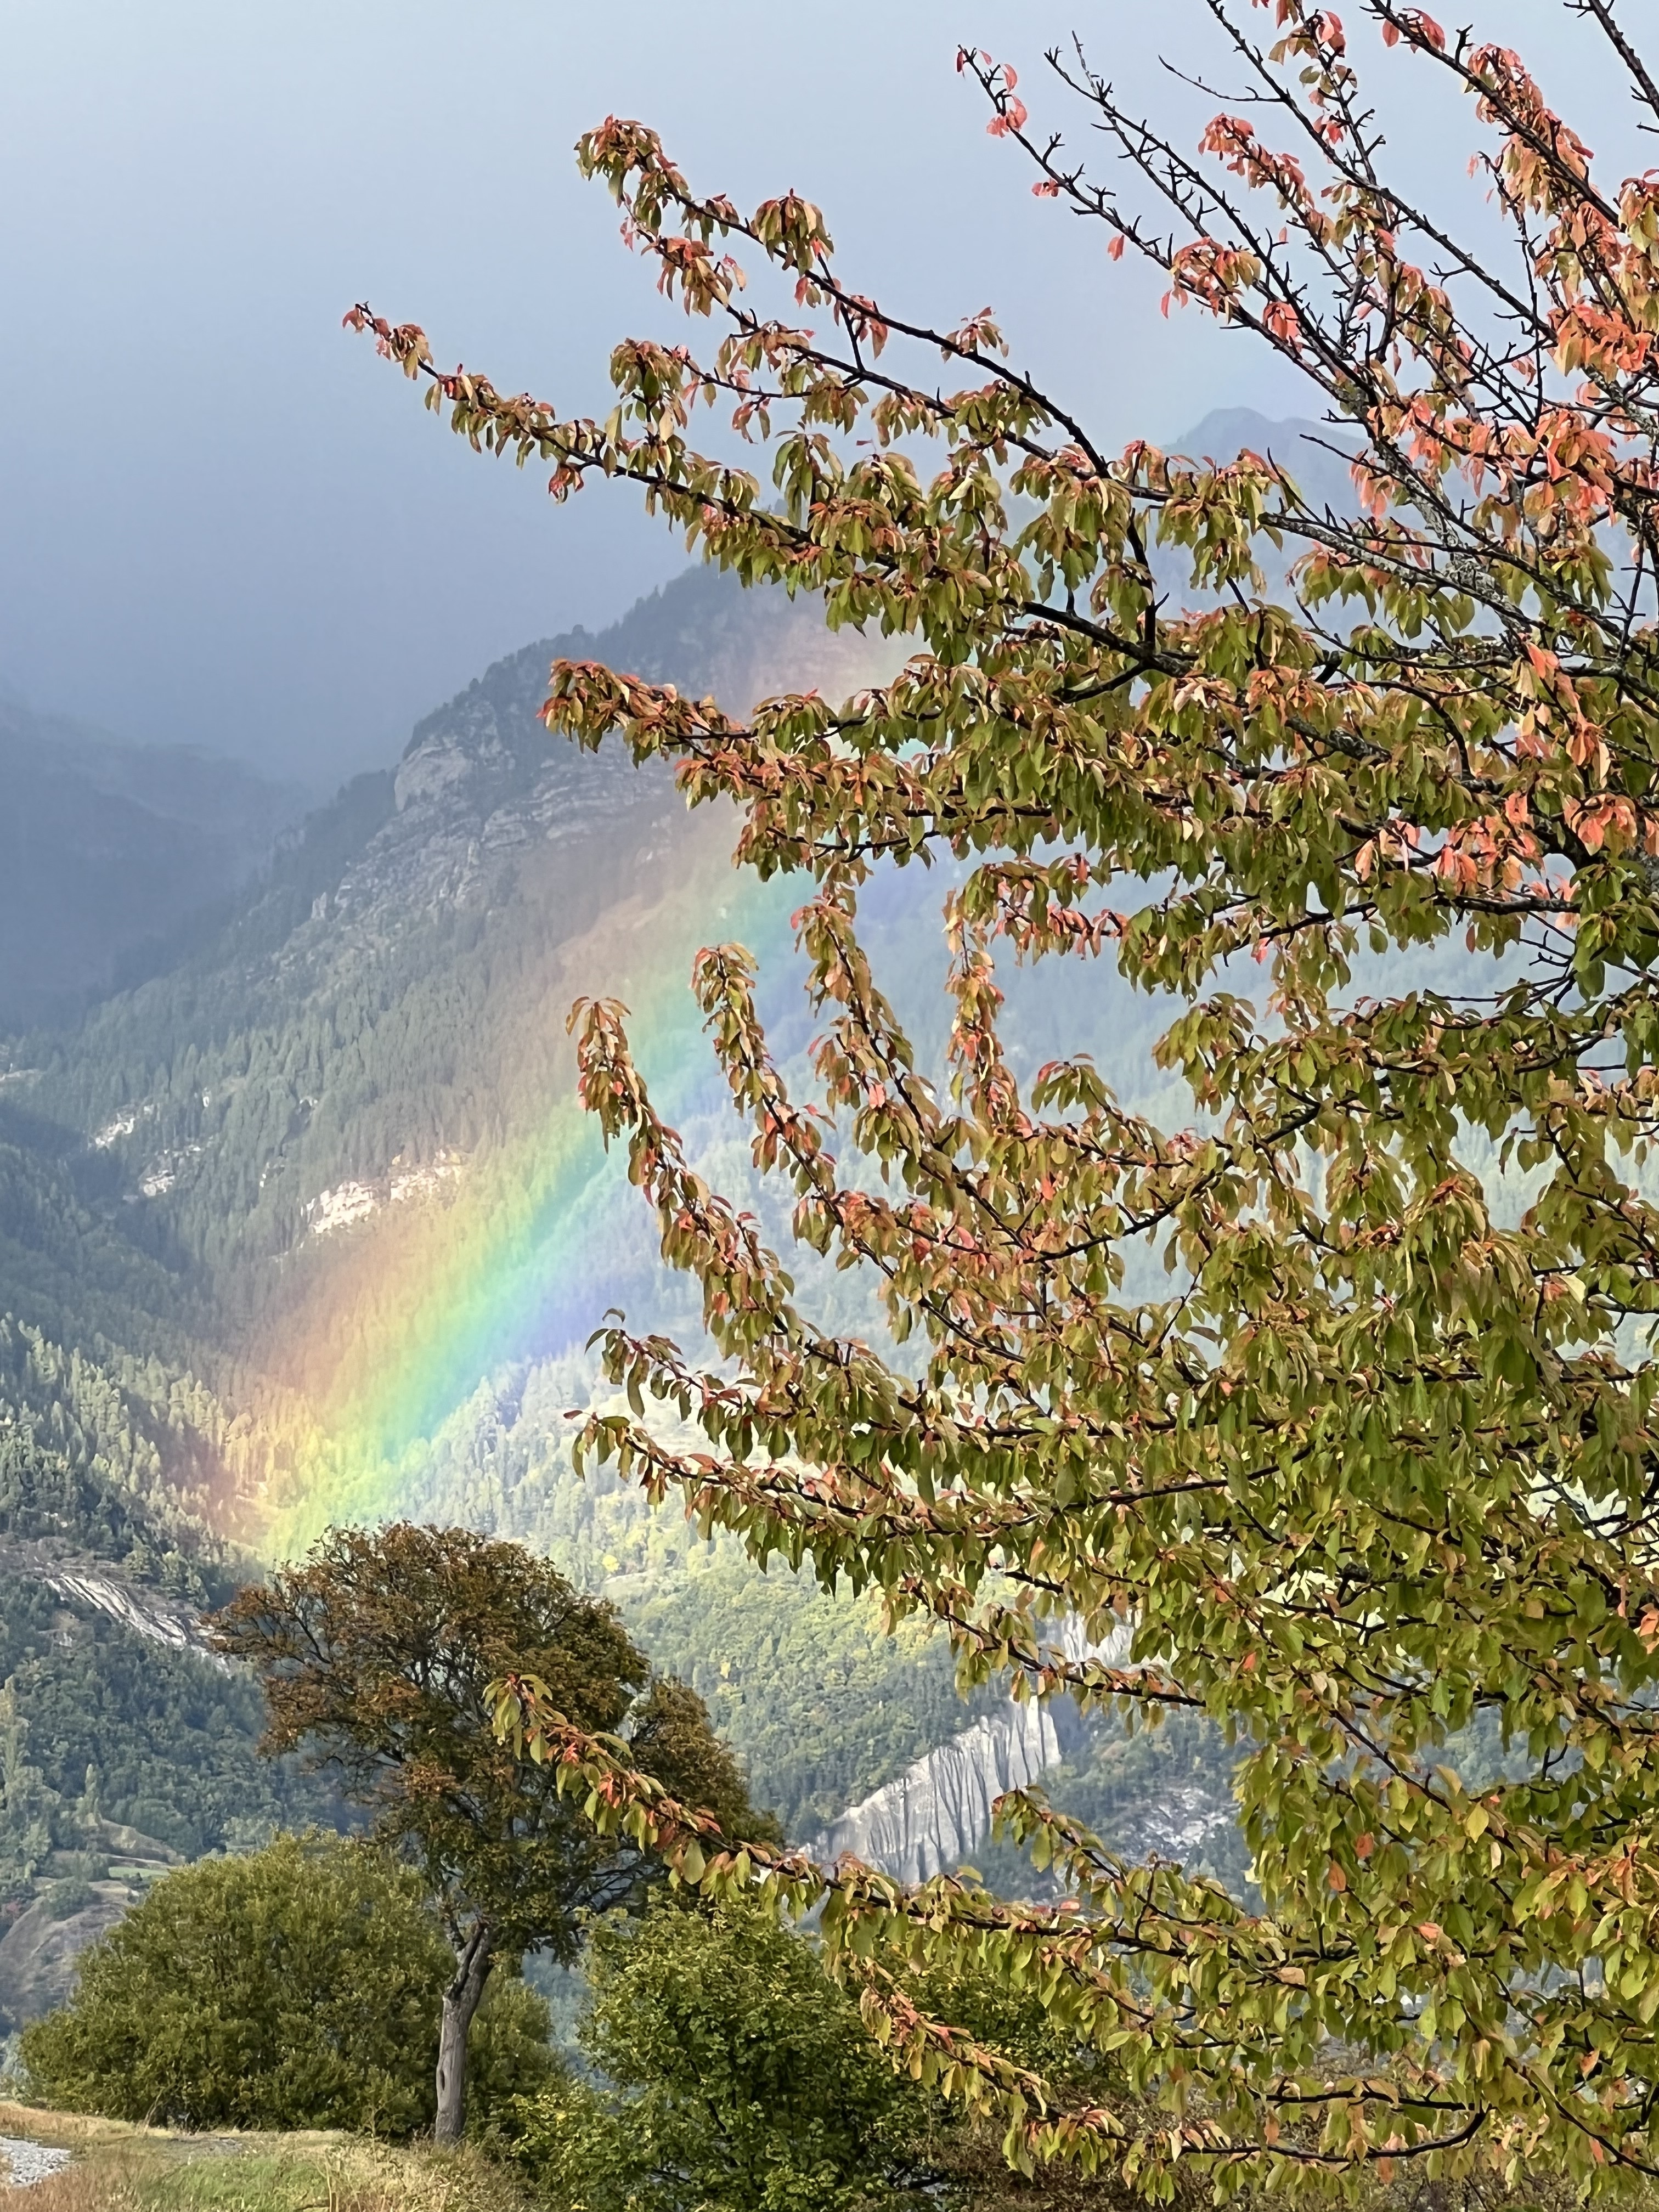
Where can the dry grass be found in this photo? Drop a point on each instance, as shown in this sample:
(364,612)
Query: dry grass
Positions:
(70,2129)
(120,2168)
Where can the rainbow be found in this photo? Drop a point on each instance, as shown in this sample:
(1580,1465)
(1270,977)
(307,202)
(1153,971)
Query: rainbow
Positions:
(391,1332)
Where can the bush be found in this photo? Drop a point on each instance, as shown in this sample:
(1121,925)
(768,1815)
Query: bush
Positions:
(743,2078)
(71,1895)
(295,1987)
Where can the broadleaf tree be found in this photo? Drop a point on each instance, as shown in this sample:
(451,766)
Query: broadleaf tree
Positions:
(291,1987)
(378,1652)
(1372,1483)
(737,2077)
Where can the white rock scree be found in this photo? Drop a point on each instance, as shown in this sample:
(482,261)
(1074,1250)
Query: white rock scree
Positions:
(929,1819)
(25,2163)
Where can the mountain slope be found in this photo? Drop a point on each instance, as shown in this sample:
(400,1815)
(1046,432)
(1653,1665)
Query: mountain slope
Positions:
(327,1177)
(345,1230)
(110,853)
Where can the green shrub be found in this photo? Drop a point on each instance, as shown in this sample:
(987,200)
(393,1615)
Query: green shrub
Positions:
(743,2079)
(295,1987)
(71,1895)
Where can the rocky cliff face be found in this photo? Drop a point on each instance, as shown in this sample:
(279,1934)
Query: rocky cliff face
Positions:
(1144,1798)
(939,1811)
(146,1614)
(482,781)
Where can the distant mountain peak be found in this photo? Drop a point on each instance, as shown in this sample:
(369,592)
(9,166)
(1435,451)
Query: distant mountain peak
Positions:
(1311,451)
(1225,431)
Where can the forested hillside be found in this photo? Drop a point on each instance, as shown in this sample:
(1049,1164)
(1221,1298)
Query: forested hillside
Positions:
(308,1227)
(222,1191)
(124,1745)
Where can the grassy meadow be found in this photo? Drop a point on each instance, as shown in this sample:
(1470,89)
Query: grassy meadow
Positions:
(117,2167)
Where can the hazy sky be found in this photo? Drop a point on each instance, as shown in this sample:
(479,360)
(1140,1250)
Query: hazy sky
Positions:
(224,521)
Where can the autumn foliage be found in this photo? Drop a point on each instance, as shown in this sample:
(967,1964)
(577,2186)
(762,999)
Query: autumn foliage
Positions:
(1374,1481)
(378,1654)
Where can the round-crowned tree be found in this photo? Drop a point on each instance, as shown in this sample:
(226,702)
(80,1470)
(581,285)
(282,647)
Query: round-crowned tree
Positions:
(730,2072)
(295,1987)
(378,1654)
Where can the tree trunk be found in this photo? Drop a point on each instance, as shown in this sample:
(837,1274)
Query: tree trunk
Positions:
(472,1964)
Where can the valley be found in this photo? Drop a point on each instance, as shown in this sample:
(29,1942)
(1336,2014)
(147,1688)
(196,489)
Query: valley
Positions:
(116,859)
(308,1228)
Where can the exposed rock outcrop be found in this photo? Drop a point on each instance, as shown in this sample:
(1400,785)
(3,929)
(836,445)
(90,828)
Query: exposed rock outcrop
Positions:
(482,781)
(937,1811)
(1181,1824)
(153,1618)
(80,1580)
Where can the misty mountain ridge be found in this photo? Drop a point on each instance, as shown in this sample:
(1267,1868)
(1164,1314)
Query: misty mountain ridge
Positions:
(110,851)
(119,861)
(1310,452)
